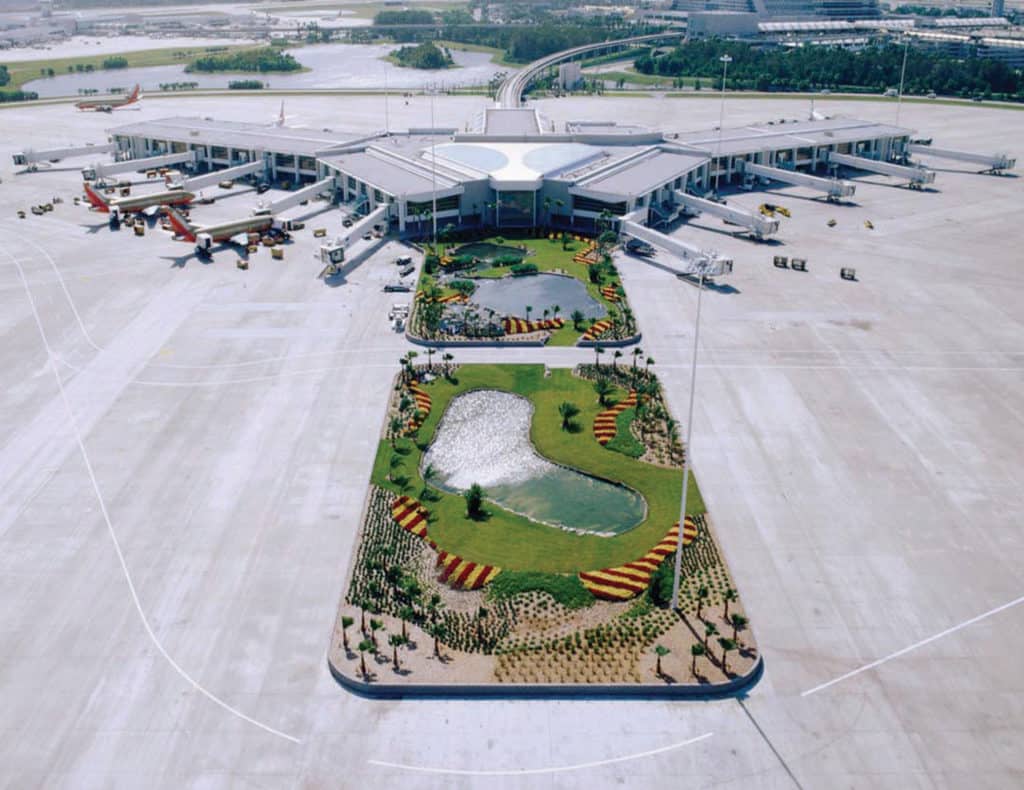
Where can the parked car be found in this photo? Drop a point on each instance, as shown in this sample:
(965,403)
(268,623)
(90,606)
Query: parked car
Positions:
(262,187)
(394,287)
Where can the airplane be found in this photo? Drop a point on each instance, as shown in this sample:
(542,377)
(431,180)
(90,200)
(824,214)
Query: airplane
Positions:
(205,237)
(143,203)
(110,103)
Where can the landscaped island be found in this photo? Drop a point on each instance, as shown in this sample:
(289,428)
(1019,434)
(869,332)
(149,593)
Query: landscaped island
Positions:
(520,528)
(265,59)
(559,289)
(423,56)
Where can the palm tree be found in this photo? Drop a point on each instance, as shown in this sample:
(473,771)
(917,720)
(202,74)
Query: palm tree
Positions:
(603,388)
(615,358)
(375,626)
(406,613)
(710,630)
(546,313)
(366,646)
(396,641)
(395,463)
(430,358)
(396,428)
(529,309)
(559,203)
(739,622)
(672,429)
(411,355)
(637,352)
(703,593)
(567,410)
(696,651)
(346,623)
(647,366)
(728,595)
(447,358)
(429,473)
(547,208)
(438,631)
(577,319)
(726,645)
(660,651)
(556,309)
(598,351)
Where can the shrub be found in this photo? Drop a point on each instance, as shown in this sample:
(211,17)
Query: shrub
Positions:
(568,590)
(661,582)
(475,501)
(430,263)
(524,269)
(466,287)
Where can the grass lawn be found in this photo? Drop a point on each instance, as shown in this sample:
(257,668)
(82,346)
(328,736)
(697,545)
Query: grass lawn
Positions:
(29,70)
(513,542)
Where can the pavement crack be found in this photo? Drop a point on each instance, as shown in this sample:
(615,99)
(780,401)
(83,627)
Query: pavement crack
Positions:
(771,746)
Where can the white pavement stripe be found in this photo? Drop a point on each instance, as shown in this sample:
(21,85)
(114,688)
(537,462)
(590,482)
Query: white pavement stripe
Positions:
(914,646)
(113,536)
(536,771)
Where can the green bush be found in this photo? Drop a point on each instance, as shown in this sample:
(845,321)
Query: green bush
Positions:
(430,263)
(624,441)
(568,590)
(661,582)
(524,269)
(466,287)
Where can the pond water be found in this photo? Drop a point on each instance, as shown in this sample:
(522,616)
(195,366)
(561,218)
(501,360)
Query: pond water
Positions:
(331,66)
(511,295)
(484,437)
(487,250)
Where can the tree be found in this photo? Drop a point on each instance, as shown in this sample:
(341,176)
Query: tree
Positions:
(565,241)
(727,646)
(439,631)
(603,387)
(529,309)
(739,622)
(430,358)
(375,626)
(429,474)
(647,365)
(728,595)
(696,651)
(577,319)
(555,309)
(396,429)
(396,641)
(637,352)
(568,410)
(366,646)
(615,359)
(346,623)
(447,359)
(475,501)
(598,351)
(703,593)
(710,630)
(660,651)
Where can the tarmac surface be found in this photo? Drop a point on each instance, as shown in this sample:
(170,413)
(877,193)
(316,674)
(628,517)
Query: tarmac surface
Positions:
(185,447)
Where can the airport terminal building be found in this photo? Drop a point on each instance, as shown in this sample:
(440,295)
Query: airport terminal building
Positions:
(512,168)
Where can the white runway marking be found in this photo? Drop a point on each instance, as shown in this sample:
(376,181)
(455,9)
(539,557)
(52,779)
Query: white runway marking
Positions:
(914,646)
(536,771)
(52,359)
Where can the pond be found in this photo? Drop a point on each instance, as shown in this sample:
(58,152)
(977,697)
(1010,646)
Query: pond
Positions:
(487,251)
(484,438)
(510,296)
(330,66)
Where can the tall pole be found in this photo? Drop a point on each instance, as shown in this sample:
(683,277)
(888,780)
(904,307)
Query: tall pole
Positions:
(903,73)
(387,125)
(686,450)
(726,60)
(433,171)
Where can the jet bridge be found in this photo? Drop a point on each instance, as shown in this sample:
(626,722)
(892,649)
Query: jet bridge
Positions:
(686,258)
(231,173)
(296,197)
(136,165)
(31,158)
(757,224)
(917,176)
(834,188)
(992,163)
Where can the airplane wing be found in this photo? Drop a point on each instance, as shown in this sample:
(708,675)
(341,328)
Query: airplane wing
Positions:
(241,239)
(151,211)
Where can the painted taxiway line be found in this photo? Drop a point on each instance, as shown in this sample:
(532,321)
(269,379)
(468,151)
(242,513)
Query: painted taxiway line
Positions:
(915,646)
(52,360)
(538,771)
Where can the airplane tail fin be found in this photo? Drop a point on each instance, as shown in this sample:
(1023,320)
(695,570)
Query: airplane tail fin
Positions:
(95,198)
(135,94)
(181,226)
(280,116)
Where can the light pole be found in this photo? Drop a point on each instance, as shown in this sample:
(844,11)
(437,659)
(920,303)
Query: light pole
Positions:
(433,172)
(903,73)
(725,60)
(706,268)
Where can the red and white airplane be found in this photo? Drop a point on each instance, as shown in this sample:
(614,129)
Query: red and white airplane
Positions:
(110,103)
(205,236)
(124,205)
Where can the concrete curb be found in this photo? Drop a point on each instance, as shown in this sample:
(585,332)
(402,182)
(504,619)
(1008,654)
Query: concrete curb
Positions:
(548,691)
(626,341)
(422,341)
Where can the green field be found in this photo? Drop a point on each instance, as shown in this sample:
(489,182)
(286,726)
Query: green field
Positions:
(513,542)
(31,69)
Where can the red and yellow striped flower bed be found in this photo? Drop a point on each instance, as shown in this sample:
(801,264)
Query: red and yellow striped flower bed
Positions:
(423,404)
(605,422)
(460,574)
(410,515)
(629,580)
(611,293)
(421,296)
(588,256)
(597,329)
(517,326)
